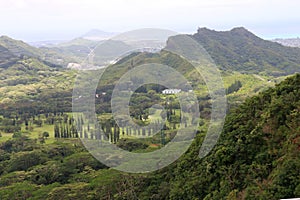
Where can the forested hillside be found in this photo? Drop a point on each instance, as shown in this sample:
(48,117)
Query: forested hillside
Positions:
(7,58)
(30,86)
(257,157)
(240,50)
(20,49)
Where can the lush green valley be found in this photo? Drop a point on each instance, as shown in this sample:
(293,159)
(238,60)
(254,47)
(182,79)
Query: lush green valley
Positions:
(42,142)
(257,157)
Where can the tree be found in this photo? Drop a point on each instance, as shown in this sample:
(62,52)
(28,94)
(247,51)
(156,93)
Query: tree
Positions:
(46,134)
(163,137)
(38,122)
(234,87)
(56,131)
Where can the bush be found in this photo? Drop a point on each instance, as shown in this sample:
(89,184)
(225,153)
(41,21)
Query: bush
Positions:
(21,190)
(24,160)
(131,145)
(10,128)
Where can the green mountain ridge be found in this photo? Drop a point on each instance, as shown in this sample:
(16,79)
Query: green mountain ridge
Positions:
(7,58)
(20,49)
(240,50)
(235,50)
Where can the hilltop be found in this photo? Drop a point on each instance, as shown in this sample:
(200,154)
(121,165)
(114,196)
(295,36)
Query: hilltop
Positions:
(96,34)
(240,50)
(19,49)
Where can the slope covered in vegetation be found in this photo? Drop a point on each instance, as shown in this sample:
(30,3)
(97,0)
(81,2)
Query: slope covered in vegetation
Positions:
(20,49)
(240,50)
(257,157)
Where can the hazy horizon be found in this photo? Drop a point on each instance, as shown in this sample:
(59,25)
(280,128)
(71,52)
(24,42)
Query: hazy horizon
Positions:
(40,20)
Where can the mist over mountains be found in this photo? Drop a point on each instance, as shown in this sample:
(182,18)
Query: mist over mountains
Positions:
(237,49)
(290,42)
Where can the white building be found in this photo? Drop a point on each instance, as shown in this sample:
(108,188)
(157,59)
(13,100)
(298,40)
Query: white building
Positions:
(291,199)
(171,91)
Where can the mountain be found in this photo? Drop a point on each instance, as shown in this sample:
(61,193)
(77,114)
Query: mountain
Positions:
(77,49)
(147,37)
(46,43)
(96,34)
(290,42)
(240,50)
(7,58)
(31,75)
(19,49)
(78,42)
(107,50)
(103,51)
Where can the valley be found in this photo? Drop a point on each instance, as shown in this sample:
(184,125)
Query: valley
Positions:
(42,138)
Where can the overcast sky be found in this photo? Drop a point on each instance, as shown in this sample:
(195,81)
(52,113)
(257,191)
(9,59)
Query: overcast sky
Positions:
(33,20)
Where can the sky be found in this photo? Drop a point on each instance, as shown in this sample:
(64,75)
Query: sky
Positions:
(37,20)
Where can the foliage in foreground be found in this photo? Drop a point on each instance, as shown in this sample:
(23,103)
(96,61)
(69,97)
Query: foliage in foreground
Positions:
(257,157)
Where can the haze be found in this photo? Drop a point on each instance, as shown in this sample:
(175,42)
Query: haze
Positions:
(33,20)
